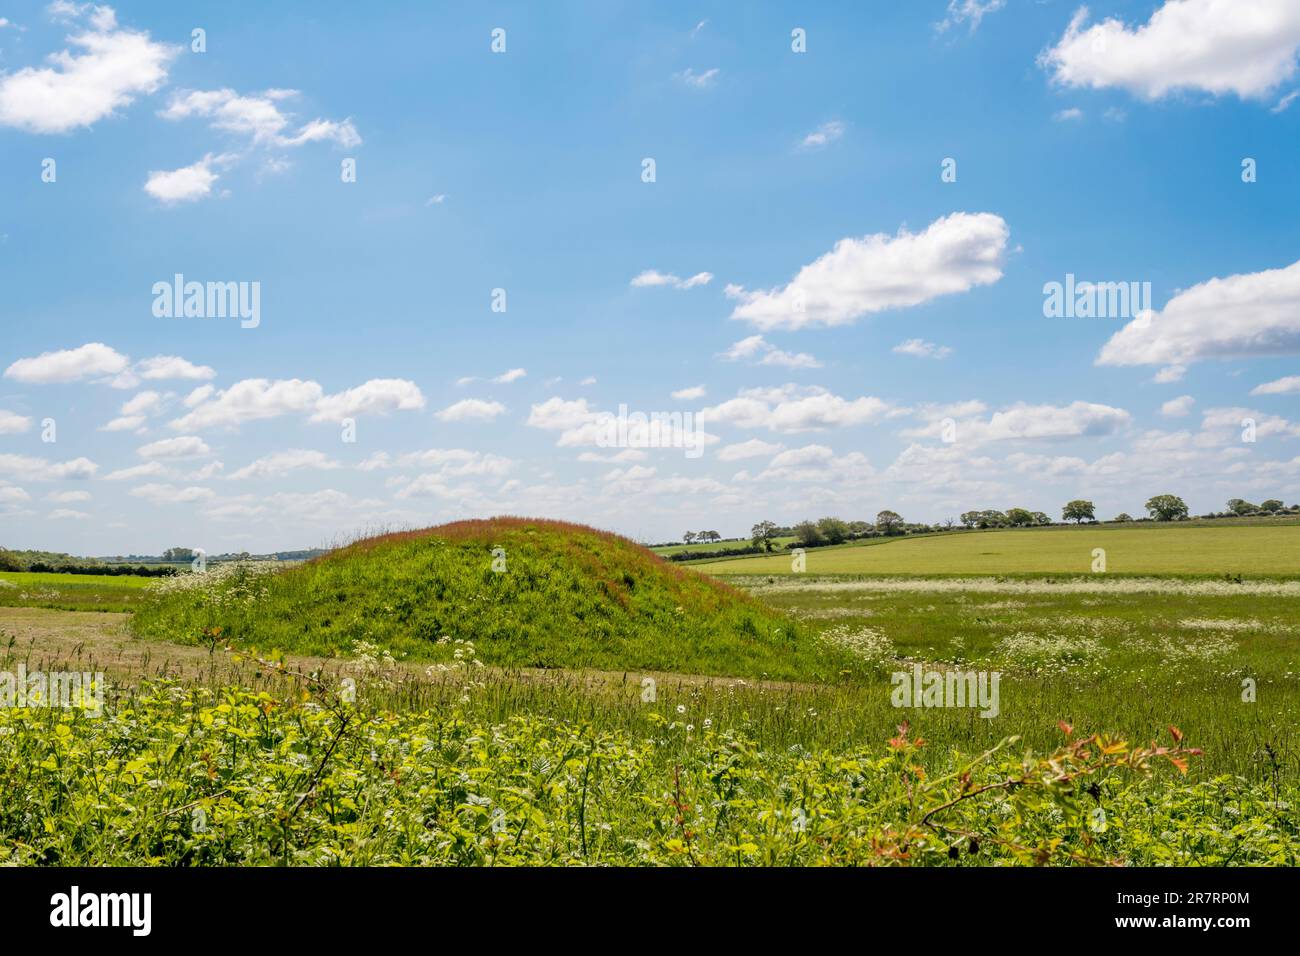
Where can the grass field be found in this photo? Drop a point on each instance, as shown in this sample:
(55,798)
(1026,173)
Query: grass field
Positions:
(73,592)
(1149,549)
(452,758)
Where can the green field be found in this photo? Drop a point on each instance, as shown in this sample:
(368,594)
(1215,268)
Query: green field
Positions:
(72,592)
(1150,549)
(616,749)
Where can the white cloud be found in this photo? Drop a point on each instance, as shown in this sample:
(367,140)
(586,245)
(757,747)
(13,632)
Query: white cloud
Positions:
(64,514)
(164,494)
(172,366)
(1214,46)
(1285,102)
(67,497)
(762,352)
(187,446)
(258,117)
(12,423)
(754,448)
(281,463)
(1177,407)
(1282,386)
(103,69)
(470,409)
(922,349)
(187,184)
(379,396)
(823,135)
(68,365)
(1250,314)
(27,468)
(556,414)
(651,278)
(137,471)
(1023,421)
(968,11)
(878,272)
(1170,374)
(690,393)
(1068,114)
(512,375)
(250,400)
(791,408)
(698,81)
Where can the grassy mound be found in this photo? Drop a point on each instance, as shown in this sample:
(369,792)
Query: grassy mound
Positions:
(526,593)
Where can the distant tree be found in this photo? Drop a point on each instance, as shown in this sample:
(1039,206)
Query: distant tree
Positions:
(689,537)
(859,529)
(1167,508)
(889,522)
(763,533)
(9,562)
(1240,506)
(1078,510)
(948,524)
(1123,516)
(806,535)
(1040,518)
(1019,518)
(1272,506)
(833,530)
(970,518)
(178,554)
(991,518)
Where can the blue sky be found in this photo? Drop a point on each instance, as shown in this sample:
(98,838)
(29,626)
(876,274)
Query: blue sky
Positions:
(797,198)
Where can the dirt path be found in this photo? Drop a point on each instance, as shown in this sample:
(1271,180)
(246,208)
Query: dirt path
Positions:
(45,639)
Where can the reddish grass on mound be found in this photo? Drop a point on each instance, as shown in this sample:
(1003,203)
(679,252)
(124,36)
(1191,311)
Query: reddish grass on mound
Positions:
(527,592)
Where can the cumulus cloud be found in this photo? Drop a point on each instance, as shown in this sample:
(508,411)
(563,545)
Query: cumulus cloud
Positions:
(690,393)
(922,349)
(754,448)
(103,69)
(28,468)
(651,278)
(759,351)
(1177,407)
(1250,314)
(470,409)
(877,272)
(187,184)
(1023,421)
(172,366)
(258,117)
(250,400)
(11,423)
(511,375)
(279,464)
(1282,386)
(1212,46)
(379,396)
(792,408)
(165,494)
(187,446)
(68,365)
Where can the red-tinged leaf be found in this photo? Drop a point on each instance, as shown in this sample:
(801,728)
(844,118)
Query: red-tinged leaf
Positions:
(1178,762)
(1176,733)
(1065,728)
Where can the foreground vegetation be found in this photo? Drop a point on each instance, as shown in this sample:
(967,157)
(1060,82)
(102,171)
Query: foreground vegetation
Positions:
(196,776)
